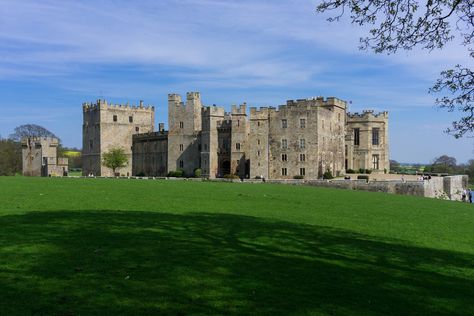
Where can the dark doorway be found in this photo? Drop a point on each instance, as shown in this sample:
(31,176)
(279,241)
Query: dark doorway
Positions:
(225,168)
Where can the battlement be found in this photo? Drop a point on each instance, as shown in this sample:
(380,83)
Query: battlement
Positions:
(51,141)
(314,101)
(240,110)
(368,115)
(103,105)
(212,111)
(259,114)
(193,96)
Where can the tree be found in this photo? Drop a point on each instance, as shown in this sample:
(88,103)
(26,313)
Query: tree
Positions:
(406,24)
(10,157)
(394,166)
(115,158)
(444,164)
(30,130)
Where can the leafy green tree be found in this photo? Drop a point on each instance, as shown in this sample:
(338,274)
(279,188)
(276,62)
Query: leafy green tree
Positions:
(10,157)
(444,164)
(115,158)
(405,24)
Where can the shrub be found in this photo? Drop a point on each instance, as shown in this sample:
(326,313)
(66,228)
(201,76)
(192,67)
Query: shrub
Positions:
(177,174)
(197,172)
(350,171)
(298,177)
(368,171)
(141,174)
(328,174)
(361,170)
(385,170)
(364,177)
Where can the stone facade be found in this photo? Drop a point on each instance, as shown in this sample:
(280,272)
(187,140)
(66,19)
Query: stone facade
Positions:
(106,126)
(39,156)
(302,139)
(367,141)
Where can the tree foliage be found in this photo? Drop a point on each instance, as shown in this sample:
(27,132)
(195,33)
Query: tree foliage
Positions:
(406,24)
(10,157)
(30,130)
(115,158)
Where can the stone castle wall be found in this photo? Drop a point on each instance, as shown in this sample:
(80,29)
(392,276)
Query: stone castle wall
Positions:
(367,154)
(109,126)
(39,157)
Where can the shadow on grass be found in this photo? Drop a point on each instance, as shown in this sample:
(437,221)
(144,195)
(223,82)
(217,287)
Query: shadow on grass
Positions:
(140,263)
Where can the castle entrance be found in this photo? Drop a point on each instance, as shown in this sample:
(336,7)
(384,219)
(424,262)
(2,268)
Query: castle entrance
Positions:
(225,168)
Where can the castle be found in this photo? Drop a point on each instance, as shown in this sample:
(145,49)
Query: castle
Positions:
(302,138)
(39,157)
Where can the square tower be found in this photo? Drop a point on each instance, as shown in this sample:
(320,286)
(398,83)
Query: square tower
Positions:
(107,126)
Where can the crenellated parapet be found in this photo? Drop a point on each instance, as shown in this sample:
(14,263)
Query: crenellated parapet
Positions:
(259,114)
(213,111)
(239,110)
(104,105)
(367,115)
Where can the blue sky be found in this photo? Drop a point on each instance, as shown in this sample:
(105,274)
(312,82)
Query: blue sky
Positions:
(57,54)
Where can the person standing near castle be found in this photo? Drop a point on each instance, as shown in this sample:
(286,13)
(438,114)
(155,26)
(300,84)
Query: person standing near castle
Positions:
(469,195)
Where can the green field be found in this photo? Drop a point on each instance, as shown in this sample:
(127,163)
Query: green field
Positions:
(144,247)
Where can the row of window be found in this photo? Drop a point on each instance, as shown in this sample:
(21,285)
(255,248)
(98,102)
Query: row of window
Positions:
(284,157)
(284,122)
(284,143)
(284,171)
(115,118)
(375,136)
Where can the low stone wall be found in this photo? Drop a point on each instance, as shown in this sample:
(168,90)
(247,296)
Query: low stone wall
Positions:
(449,187)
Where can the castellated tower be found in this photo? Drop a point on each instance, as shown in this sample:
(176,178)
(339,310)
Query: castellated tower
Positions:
(367,143)
(258,143)
(239,141)
(213,154)
(303,138)
(184,122)
(106,126)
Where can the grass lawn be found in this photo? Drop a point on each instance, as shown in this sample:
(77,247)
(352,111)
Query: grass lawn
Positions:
(144,247)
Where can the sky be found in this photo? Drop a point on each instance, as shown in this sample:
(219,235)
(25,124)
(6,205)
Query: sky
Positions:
(57,54)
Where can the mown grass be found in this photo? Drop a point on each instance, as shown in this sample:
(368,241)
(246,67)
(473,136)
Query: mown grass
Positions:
(143,247)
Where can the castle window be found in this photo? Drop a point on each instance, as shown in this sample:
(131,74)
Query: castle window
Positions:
(375,136)
(130,119)
(338,117)
(181,147)
(284,143)
(258,153)
(284,157)
(238,122)
(302,171)
(137,129)
(302,143)
(91,144)
(205,147)
(284,123)
(258,141)
(302,157)
(237,146)
(284,172)
(302,123)
(181,124)
(258,123)
(356,136)
(322,124)
(375,162)
(181,164)
(115,118)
